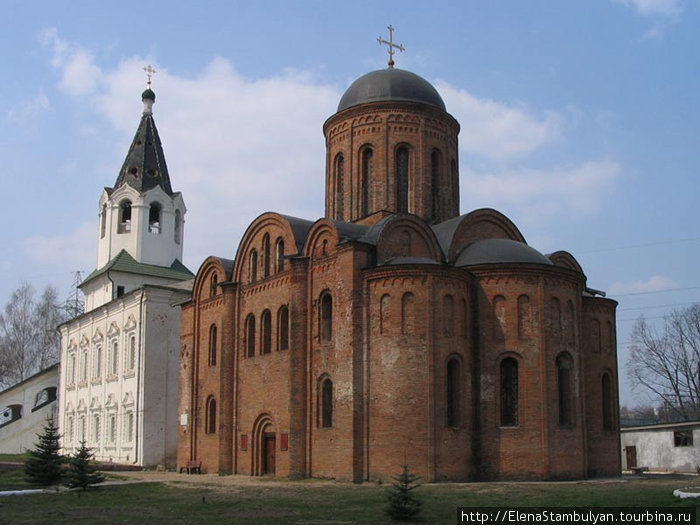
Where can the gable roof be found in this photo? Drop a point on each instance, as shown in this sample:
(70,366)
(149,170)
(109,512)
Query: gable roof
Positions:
(125,263)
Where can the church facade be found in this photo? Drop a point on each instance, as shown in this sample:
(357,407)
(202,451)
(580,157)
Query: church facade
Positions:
(394,330)
(119,359)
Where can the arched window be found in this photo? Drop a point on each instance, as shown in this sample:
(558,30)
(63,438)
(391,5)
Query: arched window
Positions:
(565,367)
(213,345)
(213,283)
(279,255)
(97,362)
(454,392)
(326,327)
(128,429)
(283,328)
(509,392)
(178,226)
(210,423)
(405,243)
(365,181)
(83,364)
(524,317)
(114,358)
(555,318)
(608,408)
(266,255)
(253,266)
(609,337)
(384,313)
(71,369)
(154,218)
(402,179)
(95,428)
(250,335)
(499,317)
(131,358)
(339,173)
(407,313)
(465,319)
(265,332)
(103,221)
(569,324)
(435,179)
(124,217)
(325,404)
(448,315)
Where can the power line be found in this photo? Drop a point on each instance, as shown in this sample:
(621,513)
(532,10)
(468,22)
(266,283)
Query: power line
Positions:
(645,245)
(656,306)
(657,291)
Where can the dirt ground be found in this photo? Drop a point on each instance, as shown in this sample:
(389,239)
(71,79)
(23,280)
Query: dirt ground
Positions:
(214,480)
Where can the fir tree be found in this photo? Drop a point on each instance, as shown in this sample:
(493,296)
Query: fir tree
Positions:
(402,504)
(81,472)
(44,465)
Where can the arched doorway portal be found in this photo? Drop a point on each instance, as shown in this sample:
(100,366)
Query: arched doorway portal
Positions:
(264,455)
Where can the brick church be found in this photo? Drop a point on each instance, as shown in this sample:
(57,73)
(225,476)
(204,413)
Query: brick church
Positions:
(395,330)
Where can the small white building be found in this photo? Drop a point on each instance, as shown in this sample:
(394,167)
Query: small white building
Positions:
(24,410)
(119,360)
(669,447)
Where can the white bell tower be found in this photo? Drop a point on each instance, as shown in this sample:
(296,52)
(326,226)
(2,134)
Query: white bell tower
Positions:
(141,220)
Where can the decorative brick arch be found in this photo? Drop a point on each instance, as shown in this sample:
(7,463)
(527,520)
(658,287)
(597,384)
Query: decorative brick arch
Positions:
(204,280)
(262,427)
(322,230)
(290,230)
(484,223)
(423,242)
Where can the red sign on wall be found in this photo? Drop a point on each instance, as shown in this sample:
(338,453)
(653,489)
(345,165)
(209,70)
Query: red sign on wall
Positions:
(284,441)
(244,441)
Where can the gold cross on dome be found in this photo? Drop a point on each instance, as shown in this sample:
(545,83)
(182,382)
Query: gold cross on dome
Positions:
(150,71)
(390,45)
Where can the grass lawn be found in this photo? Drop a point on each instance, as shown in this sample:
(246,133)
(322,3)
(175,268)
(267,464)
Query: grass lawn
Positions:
(313,502)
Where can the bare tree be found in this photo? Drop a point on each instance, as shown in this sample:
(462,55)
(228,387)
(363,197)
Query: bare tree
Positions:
(666,361)
(28,338)
(49,313)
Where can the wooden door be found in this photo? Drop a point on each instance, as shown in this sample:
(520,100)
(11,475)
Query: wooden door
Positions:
(268,453)
(631,453)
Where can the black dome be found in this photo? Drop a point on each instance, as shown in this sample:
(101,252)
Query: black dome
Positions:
(497,251)
(390,84)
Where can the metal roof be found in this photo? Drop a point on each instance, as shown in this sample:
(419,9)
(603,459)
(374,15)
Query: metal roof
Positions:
(125,263)
(391,85)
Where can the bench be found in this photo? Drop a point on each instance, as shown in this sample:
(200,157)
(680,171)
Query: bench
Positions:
(639,470)
(192,466)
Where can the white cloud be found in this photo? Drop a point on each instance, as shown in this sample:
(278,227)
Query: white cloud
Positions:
(29,110)
(654,283)
(67,252)
(654,7)
(79,75)
(540,194)
(497,130)
(237,147)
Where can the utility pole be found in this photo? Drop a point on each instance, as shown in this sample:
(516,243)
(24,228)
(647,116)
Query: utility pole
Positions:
(75,304)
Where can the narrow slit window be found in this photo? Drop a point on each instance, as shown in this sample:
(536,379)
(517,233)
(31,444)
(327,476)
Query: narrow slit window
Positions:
(509,392)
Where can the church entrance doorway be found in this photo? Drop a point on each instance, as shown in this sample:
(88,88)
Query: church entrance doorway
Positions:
(269,448)
(264,457)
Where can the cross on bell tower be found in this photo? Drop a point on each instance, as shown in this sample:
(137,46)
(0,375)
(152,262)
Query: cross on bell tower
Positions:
(390,46)
(150,71)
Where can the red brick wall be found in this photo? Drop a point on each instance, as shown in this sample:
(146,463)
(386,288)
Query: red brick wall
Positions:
(384,127)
